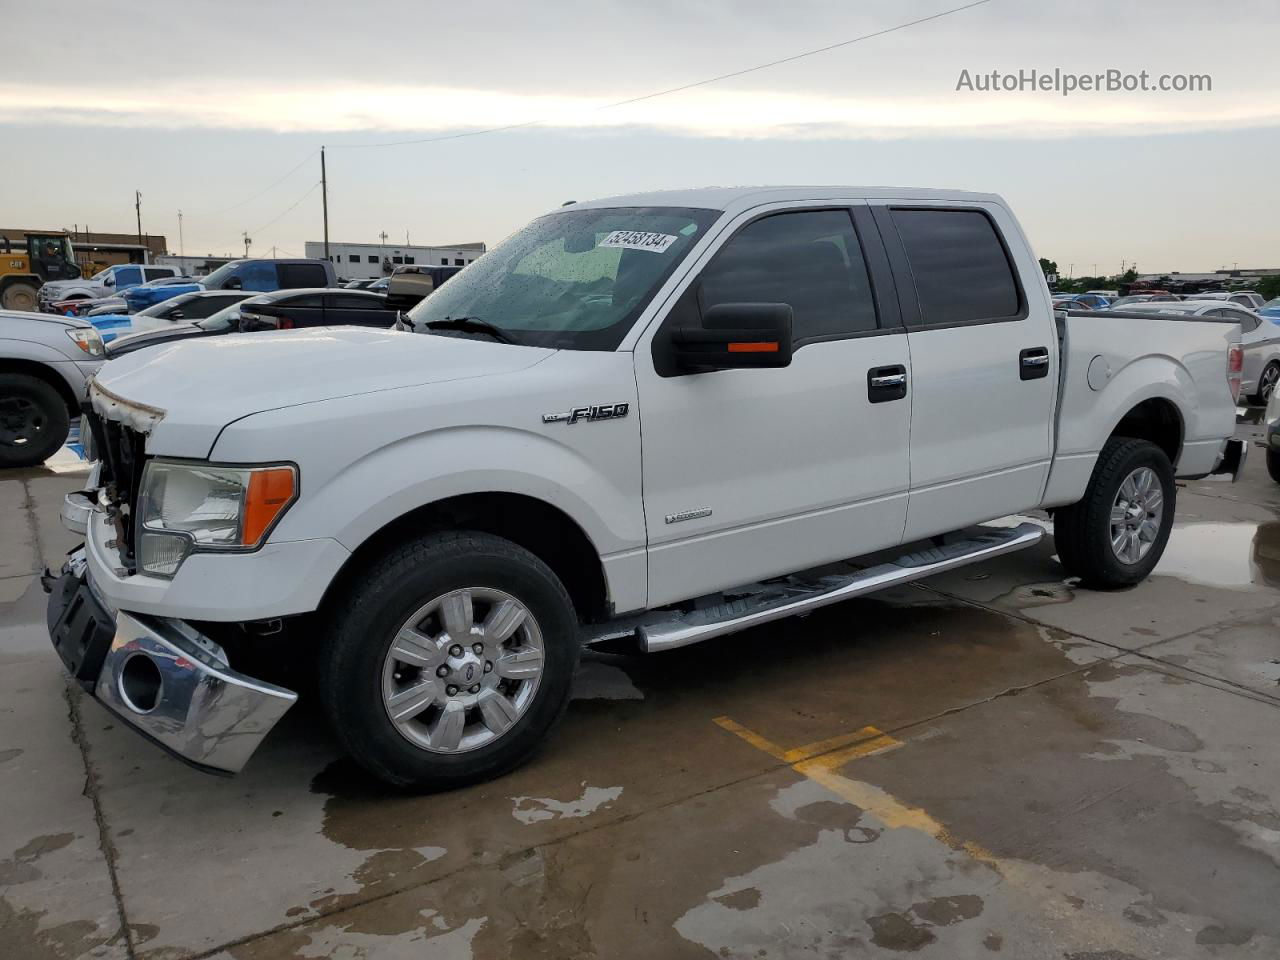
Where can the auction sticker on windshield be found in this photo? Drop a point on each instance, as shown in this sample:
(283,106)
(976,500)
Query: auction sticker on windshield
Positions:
(639,240)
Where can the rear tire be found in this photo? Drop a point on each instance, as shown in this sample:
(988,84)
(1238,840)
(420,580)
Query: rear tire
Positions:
(491,697)
(19,296)
(34,421)
(1116,534)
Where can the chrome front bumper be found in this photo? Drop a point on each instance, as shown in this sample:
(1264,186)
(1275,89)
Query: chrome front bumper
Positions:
(161,676)
(175,686)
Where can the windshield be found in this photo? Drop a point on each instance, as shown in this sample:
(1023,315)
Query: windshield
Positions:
(573,280)
(1271,304)
(169,304)
(229,317)
(215,279)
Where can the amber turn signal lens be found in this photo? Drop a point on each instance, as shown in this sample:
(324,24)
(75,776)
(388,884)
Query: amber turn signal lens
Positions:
(270,491)
(754,347)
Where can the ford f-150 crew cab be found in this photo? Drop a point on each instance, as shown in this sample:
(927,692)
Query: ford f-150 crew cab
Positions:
(663,417)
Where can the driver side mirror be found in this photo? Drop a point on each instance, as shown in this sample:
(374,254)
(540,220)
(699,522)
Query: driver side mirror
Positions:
(108,281)
(176,315)
(233,283)
(736,336)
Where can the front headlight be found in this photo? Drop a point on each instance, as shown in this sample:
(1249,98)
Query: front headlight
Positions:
(87,339)
(185,507)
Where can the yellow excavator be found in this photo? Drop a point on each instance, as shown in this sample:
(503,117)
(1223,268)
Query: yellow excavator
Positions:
(42,257)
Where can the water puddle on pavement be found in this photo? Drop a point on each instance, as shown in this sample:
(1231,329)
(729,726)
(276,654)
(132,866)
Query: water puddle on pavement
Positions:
(1234,555)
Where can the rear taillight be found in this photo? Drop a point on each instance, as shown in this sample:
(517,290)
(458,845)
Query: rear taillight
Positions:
(287,324)
(1235,369)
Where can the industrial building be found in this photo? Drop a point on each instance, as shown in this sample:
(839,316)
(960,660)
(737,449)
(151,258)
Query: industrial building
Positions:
(356,261)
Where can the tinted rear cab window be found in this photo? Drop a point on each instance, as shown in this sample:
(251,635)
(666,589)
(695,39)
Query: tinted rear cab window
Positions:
(960,266)
(295,275)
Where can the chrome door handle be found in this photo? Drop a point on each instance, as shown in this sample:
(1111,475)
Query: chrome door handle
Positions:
(1038,361)
(891,380)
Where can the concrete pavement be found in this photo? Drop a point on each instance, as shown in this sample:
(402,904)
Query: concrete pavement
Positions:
(992,763)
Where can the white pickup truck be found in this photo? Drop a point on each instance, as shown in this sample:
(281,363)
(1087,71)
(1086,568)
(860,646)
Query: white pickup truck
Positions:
(661,416)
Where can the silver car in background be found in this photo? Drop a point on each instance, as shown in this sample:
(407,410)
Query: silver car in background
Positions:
(1259,337)
(45,363)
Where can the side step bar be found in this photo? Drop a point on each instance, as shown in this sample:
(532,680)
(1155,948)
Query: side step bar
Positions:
(798,594)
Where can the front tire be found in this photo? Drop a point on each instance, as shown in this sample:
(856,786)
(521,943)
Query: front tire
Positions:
(450,661)
(34,421)
(1117,533)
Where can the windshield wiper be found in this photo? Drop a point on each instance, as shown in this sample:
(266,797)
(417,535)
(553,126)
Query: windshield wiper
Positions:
(471,324)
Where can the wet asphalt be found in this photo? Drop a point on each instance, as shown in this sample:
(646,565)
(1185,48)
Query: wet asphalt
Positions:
(993,763)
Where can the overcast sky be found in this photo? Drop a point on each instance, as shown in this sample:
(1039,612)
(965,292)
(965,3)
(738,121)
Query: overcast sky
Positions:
(205,107)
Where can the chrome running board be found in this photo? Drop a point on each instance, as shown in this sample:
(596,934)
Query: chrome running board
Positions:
(765,602)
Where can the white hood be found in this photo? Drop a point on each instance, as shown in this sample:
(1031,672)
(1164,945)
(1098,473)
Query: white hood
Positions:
(184,393)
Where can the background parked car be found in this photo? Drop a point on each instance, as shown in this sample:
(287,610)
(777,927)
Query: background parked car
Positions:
(1092,301)
(113,280)
(256,275)
(1244,298)
(316,308)
(1271,310)
(1133,298)
(185,306)
(1259,338)
(44,363)
(1069,303)
(280,310)
(359,284)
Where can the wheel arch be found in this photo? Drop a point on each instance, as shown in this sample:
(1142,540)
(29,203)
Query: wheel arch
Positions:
(1156,420)
(42,371)
(543,529)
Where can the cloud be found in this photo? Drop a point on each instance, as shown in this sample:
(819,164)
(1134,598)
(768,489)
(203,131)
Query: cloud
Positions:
(402,111)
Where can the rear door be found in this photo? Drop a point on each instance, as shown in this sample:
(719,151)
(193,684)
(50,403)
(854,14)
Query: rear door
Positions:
(983,362)
(356,309)
(748,473)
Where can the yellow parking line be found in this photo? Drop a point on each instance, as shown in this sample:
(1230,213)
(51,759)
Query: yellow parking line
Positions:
(757,741)
(821,761)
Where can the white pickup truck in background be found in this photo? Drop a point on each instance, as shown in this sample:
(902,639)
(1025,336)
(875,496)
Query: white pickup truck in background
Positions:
(655,416)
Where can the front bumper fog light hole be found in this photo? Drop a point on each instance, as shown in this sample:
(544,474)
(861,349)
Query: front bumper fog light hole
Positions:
(140,683)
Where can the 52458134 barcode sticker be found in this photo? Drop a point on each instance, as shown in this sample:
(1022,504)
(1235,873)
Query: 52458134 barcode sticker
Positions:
(639,240)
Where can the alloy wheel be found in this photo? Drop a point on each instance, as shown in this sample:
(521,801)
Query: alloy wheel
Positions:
(462,670)
(1136,514)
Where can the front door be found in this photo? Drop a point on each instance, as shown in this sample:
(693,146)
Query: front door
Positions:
(753,473)
(983,363)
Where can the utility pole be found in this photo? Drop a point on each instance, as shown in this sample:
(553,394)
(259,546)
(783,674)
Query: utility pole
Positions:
(182,247)
(137,206)
(247,241)
(382,251)
(324,198)
(273,251)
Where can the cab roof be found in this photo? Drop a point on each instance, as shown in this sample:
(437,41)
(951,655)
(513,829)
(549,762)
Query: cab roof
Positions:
(734,199)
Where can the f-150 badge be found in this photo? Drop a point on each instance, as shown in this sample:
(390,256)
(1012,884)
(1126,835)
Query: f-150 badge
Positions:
(600,411)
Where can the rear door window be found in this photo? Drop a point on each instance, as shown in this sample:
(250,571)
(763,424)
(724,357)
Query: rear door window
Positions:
(294,275)
(156,273)
(809,259)
(960,267)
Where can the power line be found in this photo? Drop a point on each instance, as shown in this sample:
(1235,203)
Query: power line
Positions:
(288,209)
(263,191)
(679,89)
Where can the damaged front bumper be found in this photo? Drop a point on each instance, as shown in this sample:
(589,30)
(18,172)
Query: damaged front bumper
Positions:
(165,679)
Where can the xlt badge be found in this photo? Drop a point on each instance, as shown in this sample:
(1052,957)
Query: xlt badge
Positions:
(601,411)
